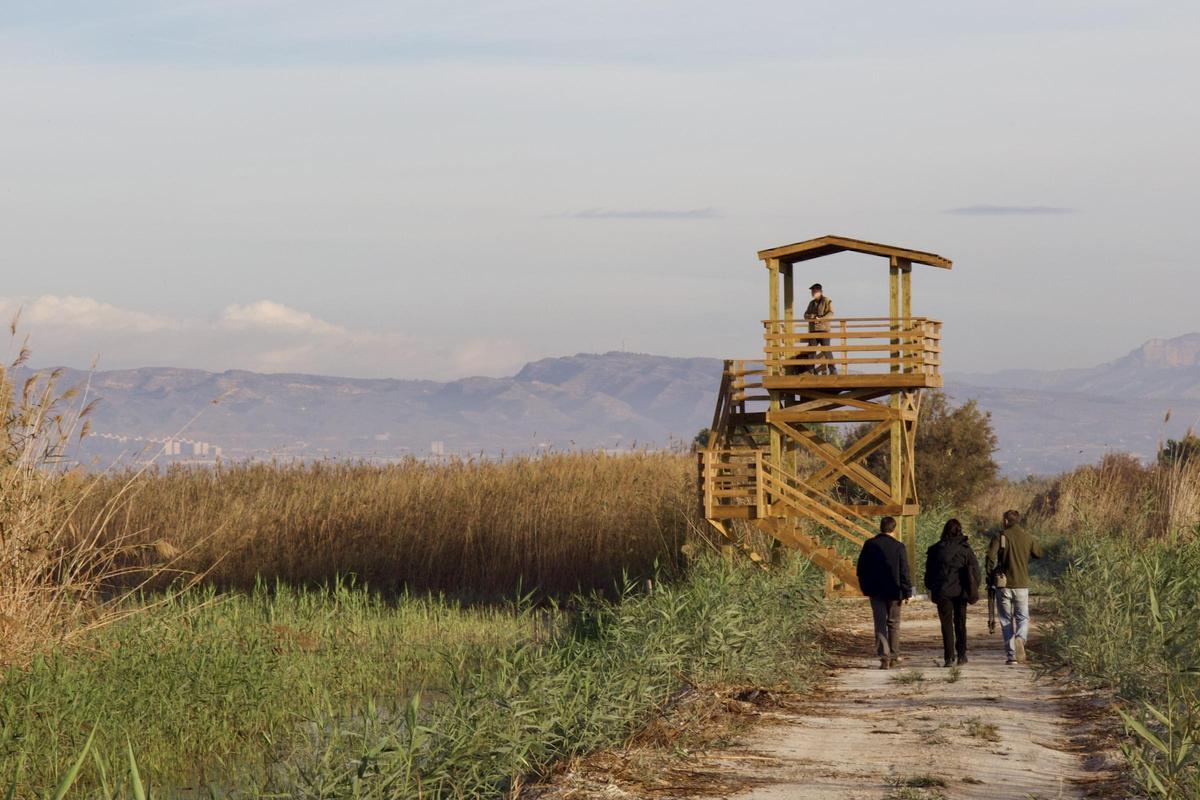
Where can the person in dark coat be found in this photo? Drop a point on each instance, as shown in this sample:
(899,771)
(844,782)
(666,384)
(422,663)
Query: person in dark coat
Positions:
(952,578)
(883,576)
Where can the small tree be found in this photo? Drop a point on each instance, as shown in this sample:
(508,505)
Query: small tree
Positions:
(953,452)
(1182,451)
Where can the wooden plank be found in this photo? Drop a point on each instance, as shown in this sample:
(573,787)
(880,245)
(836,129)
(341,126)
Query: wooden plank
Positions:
(880,347)
(916,380)
(777,331)
(855,398)
(800,362)
(785,415)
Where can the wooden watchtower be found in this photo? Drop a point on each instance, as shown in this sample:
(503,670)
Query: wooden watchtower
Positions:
(790,445)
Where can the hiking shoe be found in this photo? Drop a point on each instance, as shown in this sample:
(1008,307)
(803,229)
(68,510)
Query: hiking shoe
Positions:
(962,659)
(950,662)
(1011,662)
(1019,647)
(885,663)
(897,660)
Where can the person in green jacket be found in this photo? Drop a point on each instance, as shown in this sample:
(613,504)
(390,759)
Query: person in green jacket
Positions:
(1007,567)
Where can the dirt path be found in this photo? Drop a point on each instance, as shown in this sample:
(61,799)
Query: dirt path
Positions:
(990,731)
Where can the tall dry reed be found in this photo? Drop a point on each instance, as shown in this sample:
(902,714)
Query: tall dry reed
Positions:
(62,570)
(1123,497)
(552,524)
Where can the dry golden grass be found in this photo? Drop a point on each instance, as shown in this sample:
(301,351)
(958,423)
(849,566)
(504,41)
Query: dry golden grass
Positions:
(552,524)
(1121,496)
(57,565)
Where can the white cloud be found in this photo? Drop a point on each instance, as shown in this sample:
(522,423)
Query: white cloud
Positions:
(271,315)
(84,312)
(264,336)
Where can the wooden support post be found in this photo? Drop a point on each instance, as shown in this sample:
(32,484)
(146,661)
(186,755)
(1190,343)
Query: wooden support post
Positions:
(789,296)
(773,306)
(773,315)
(788,461)
(895,434)
(906,297)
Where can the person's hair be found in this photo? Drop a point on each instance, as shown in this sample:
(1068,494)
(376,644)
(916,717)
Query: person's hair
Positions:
(887,524)
(1011,517)
(952,529)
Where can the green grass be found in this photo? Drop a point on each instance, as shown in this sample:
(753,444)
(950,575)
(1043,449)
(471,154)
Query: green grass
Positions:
(1127,620)
(978,729)
(909,677)
(917,787)
(339,693)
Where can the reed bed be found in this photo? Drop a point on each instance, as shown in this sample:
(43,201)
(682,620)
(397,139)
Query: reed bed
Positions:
(1127,621)
(1122,497)
(550,525)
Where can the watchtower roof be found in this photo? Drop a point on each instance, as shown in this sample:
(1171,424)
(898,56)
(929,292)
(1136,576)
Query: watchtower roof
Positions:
(828,245)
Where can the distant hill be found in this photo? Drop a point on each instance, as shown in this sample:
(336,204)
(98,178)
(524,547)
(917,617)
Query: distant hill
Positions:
(1161,368)
(612,400)
(1047,421)
(1052,420)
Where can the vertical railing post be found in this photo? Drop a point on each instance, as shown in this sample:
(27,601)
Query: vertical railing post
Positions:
(845,352)
(708,484)
(760,493)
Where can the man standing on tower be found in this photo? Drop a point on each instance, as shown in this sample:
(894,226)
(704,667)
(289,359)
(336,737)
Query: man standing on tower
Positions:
(818,313)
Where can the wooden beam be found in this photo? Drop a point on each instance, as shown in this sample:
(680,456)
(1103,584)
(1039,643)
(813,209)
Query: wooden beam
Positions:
(787,415)
(836,459)
(868,443)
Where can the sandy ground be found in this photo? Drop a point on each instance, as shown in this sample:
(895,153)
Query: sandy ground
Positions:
(869,733)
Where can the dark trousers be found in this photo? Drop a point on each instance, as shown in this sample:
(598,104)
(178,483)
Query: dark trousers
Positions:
(886,614)
(823,354)
(953,616)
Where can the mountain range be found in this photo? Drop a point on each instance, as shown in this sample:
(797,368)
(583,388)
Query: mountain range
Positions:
(1051,420)
(1046,421)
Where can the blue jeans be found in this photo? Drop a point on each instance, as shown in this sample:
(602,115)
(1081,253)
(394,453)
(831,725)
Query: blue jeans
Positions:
(1014,616)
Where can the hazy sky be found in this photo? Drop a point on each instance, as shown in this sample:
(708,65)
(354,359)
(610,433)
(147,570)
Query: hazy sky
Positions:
(433,189)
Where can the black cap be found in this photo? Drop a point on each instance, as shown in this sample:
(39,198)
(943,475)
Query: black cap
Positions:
(814,287)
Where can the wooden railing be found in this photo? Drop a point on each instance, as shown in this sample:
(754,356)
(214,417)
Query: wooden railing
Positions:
(859,345)
(728,477)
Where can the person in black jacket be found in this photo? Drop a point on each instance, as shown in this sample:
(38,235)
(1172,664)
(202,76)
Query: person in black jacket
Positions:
(883,576)
(952,578)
